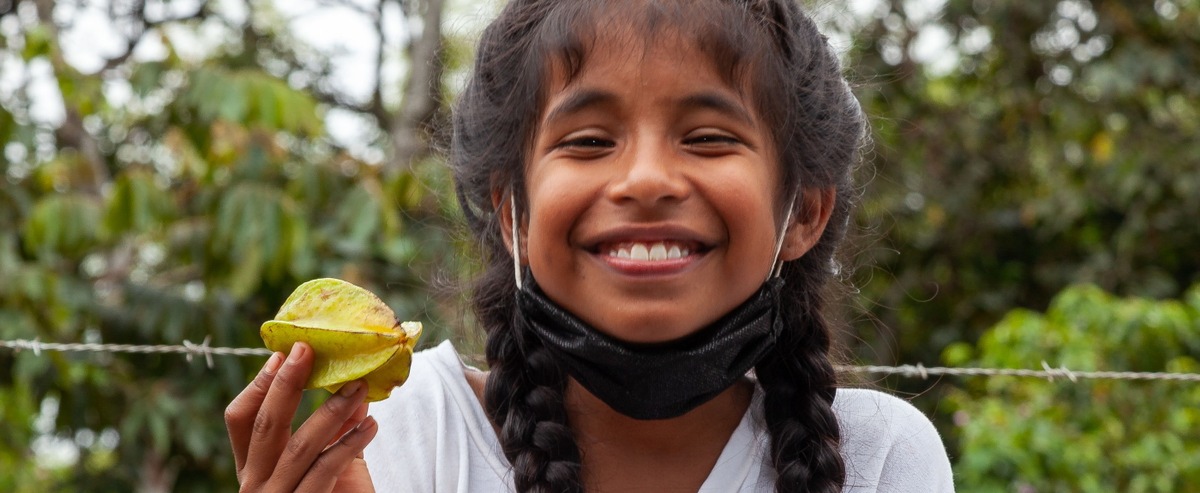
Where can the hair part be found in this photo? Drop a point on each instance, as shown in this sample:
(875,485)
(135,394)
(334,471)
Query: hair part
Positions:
(767,48)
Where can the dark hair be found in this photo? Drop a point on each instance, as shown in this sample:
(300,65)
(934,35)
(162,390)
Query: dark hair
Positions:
(769,47)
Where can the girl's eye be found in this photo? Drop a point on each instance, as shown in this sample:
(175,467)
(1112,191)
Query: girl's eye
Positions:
(712,140)
(587,142)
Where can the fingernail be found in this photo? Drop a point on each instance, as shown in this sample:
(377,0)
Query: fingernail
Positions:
(273,363)
(297,351)
(368,425)
(350,389)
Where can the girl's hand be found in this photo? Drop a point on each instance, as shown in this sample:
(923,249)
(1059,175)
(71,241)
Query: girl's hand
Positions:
(323,455)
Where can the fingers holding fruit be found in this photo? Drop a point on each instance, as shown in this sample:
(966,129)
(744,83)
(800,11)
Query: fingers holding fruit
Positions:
(353,335)
(336,336)
(243,410)
(318,452)
(270,457)
(272,428)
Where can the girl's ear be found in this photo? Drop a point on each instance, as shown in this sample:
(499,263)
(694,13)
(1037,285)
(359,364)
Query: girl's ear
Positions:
(808,223)
(502,204)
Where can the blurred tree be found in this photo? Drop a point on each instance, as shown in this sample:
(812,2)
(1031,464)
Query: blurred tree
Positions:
(1086,436)
(182,197)
(1021,147)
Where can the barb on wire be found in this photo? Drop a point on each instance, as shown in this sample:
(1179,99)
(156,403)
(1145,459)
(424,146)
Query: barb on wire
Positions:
(191,349)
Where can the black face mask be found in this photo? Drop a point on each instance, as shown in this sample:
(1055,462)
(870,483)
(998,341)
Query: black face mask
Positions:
(656,381)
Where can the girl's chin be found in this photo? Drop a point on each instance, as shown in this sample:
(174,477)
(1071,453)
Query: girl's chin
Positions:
(648,330)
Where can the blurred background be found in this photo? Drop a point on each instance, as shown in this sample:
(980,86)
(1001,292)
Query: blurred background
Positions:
(172,169)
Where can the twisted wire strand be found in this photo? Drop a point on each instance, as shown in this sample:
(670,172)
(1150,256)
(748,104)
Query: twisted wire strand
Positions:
(188,348)
(191,349)
(1047,372)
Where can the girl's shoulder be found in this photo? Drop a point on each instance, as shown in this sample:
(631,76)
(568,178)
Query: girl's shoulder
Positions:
(879,412)
(887,441)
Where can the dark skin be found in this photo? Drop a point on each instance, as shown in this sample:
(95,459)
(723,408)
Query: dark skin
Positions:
(323,455)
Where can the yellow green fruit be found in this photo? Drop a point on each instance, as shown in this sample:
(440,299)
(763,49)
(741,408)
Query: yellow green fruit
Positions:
(352,332)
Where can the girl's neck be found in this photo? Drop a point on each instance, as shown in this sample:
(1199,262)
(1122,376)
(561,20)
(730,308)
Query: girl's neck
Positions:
(674,454)
(628,455)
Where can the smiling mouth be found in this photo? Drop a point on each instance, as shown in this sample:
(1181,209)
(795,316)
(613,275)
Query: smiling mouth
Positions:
(654,251)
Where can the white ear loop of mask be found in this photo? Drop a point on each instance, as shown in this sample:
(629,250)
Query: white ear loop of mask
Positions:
(776,265)
(516,248)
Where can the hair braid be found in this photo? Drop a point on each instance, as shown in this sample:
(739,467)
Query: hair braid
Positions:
(799,384)
(819,147)
(524,396)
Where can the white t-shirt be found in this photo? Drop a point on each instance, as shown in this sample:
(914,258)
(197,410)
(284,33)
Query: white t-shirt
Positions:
(435,437)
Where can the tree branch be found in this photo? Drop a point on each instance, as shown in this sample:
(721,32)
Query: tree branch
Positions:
(72,132)
(421,91)
(138,17)
(377,91)
(336,100)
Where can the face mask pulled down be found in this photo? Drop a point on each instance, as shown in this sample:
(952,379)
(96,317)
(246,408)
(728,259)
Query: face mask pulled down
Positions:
(657,381)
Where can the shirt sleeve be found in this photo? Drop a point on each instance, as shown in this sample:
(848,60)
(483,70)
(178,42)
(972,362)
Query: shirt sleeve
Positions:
(917,461)
(890,446)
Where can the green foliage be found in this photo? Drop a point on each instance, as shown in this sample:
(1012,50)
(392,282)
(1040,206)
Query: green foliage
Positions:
(1058,148)
(64,225)
(186,206)
(7,125)
(248,97)
(1087,436)
(137,204)
(1055,148)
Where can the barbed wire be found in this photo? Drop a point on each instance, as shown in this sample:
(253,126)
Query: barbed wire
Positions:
(1047,372)
(190,350)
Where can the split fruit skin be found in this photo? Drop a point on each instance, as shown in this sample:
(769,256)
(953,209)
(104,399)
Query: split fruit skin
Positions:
(352,332)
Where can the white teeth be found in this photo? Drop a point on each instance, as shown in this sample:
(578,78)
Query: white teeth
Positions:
(658,252)
(649,252)
(639,252)
(674,253)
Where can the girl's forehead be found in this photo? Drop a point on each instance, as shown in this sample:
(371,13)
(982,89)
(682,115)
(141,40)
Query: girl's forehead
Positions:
(624,47)
(660,71)
(729,35)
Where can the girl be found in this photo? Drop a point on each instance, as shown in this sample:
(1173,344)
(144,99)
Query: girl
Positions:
(658,188)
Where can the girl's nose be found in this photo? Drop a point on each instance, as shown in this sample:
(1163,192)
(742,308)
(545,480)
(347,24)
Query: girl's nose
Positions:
(650,176)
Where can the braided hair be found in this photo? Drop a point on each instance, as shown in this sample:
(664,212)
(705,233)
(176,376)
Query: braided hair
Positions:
(769,47)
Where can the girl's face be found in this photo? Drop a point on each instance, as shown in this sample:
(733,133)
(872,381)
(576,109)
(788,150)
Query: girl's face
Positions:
(653,191)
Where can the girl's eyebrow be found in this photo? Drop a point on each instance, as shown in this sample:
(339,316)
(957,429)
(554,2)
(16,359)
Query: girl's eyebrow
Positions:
(718,102)
(578,101)
(582,99)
